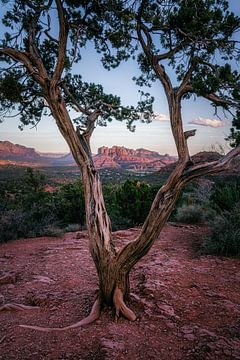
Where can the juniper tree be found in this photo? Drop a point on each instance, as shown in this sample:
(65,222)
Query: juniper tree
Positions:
(36,77)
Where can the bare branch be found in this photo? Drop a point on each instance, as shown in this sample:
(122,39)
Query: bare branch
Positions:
(189,133)
(33,48)
(219,101)
(23,58)
(91,120)
(74,101)
(46,32)
(185,85)
(171,52)
(158,68)
(212,167)
(63,34)
(37,8)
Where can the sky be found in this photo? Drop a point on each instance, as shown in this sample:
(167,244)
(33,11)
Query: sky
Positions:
(211,131)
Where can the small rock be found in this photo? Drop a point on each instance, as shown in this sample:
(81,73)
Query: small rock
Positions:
(2,299)
(167,310)
(9,278)
(189,337)
(8,256)
(43,279)
(205,332)
(112,345)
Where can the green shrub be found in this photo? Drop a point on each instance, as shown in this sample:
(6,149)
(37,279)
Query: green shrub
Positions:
(133,201)
(32,223)
(69,204)
(190,214)
(224,238)
(226,195)
(73,228)
(52,230)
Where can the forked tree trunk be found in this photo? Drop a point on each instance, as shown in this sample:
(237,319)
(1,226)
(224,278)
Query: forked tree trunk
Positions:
(113,267)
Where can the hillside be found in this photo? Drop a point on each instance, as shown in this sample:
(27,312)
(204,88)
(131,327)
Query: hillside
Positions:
(201,157)
(187,305)
(117,157)
(9,151)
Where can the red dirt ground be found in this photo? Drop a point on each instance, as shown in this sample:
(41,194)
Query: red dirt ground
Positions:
(188,306)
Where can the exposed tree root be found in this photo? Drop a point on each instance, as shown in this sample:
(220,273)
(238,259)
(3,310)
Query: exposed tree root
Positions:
(121,307)
(17,307)
(94,315)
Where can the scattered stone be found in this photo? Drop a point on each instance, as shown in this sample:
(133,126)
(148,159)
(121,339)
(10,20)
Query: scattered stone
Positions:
(113,345)
(8,256)
(206,333)
(168,310)
(43,279)
(189,337)
(2,299)
(8,278)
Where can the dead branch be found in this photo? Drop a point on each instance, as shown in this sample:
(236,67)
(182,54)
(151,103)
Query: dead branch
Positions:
(62,38)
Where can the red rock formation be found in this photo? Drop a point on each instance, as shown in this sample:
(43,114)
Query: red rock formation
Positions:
(139,159)
(114,157)
(10,151)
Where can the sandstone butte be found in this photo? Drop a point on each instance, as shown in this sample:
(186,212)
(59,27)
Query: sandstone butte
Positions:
(114,157)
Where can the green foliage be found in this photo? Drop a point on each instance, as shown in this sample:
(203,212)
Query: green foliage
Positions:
(29,210)
(10,89)
(73,228)
(224,238)
(226,194)
(190,214)
(193,205)
(234,137)
(34,180)
(134,199)
(35,221)
(69,204)
(31,27)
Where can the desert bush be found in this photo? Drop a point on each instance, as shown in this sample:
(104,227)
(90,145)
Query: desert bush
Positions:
(190,214)
(224,237)
(69,204)
(52,230)
(133,201)
(187,197)
(17,223)
(226,195)
(73,228)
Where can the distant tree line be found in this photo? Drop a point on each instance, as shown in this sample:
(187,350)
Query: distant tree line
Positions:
(28,210)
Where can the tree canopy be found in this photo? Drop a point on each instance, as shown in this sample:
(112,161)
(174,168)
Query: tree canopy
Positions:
(35,48)
(196,39)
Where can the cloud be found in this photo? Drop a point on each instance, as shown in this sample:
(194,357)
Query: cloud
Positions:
(215,123)
(160,117)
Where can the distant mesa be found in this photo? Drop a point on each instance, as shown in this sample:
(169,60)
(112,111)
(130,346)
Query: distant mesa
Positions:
(9,151)
(114,157)
(130,159)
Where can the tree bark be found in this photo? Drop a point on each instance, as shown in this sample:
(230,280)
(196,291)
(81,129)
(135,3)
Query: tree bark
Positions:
(113,267)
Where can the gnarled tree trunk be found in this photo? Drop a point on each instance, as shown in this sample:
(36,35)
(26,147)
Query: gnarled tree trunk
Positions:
(113,267)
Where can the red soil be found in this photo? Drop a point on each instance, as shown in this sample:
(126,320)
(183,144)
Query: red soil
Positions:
(187,305)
